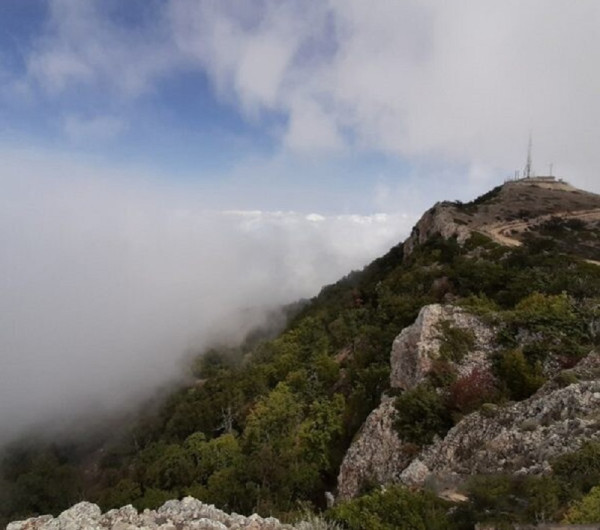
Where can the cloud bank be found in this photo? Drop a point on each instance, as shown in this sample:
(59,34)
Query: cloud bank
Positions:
(108,282)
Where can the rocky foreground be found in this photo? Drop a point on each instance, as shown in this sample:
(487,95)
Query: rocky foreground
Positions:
(187,514)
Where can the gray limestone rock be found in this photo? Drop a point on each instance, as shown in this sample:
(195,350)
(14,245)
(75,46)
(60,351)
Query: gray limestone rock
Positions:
(521,438)
(187,514)
(376,455)
(439,220)
(418,345)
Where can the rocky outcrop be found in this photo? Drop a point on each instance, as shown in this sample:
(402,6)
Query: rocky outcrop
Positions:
(520,438)
(376,454)
(187,514)
(439,220)
(418,345)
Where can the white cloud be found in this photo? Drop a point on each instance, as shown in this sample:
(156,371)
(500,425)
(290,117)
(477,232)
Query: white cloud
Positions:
(464,82)
(311,130)
(315,217)
(83,47)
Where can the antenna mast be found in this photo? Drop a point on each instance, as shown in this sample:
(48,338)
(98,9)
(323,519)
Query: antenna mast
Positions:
(528,164)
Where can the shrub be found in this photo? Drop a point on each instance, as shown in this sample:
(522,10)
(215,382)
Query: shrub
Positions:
(504,499)
(395,508)
(539,310)
(480,305)
(470,391)
(564,379)
(421,414)
(488,410)
(442,373)
(311,521)
(518,376)
(542,498)
(587,510)
(579,471)
(455,342)
(487,197)
(477,239)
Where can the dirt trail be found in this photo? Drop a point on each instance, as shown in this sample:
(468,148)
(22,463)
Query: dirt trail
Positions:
(501,232)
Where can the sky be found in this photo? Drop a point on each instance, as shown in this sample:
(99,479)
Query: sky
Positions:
(168,164)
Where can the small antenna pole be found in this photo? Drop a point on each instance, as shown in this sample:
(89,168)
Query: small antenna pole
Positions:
(528,164)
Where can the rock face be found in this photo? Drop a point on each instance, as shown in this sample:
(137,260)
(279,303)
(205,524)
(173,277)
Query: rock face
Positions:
(187,514)
(439,220)
(521,438)
(517,438)
(414,350)
(377,455)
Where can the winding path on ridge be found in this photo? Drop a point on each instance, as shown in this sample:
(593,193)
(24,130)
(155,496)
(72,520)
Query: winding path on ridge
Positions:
(501,232)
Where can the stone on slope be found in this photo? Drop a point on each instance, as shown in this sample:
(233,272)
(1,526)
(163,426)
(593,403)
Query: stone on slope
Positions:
(376,454)
(418,345)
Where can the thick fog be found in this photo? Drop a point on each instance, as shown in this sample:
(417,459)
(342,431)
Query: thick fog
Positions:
(107,283)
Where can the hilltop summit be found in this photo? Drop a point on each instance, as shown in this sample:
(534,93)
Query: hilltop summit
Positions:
(511,213)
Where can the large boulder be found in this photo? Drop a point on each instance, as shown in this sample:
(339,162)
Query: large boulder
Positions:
(376,455)
(418,345)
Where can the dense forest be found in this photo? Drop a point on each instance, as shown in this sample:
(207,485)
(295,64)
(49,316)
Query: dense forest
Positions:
(265,425)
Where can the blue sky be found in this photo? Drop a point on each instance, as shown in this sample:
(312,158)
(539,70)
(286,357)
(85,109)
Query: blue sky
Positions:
(175,121)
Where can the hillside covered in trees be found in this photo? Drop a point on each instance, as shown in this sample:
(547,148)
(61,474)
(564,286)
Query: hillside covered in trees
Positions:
(264,427)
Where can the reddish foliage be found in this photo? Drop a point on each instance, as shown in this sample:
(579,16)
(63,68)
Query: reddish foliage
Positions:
(470,391)
(567,362)
(357,300)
